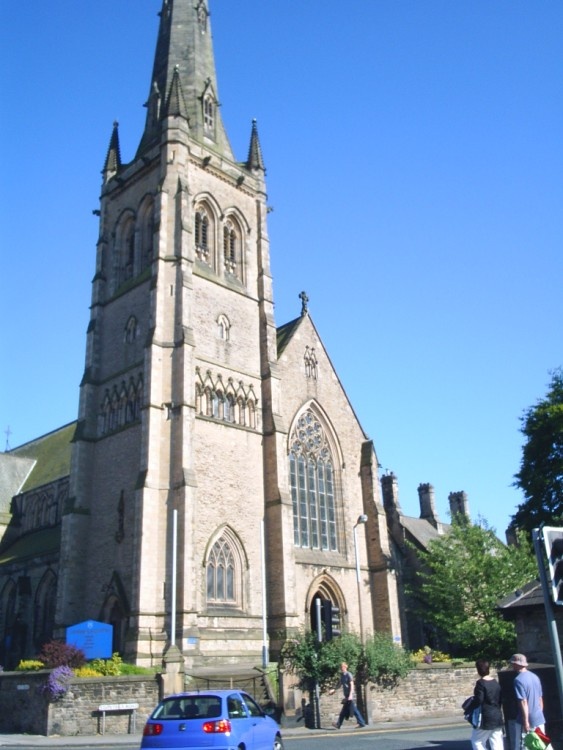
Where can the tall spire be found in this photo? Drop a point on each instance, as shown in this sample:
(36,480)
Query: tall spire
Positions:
(255,161)
(184,82)
(112,164)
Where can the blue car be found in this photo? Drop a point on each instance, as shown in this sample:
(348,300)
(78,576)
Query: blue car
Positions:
(211,720)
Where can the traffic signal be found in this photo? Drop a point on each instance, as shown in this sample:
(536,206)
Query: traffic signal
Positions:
(331,620)
(553,540)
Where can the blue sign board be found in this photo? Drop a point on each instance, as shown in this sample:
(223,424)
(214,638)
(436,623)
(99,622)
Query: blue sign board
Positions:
(94,638)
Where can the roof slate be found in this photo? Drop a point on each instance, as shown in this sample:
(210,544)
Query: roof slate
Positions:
(52,455)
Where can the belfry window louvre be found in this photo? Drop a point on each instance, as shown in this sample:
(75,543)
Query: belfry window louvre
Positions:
(202,235)
(312,482)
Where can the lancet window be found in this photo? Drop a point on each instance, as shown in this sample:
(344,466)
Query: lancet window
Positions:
(224,572)
(202,235)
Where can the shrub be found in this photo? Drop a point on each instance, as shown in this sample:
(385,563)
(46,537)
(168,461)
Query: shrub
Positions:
(385,660)
(428,655)
(107,667)
(58,683)
(58,654)
(87,671)
(30,665)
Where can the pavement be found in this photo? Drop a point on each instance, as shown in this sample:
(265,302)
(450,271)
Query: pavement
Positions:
(9,741)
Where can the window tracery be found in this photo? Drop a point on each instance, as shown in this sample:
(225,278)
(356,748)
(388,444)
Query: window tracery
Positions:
(312,483)
(121,406)
(311,365)
(224,569)
(230,402)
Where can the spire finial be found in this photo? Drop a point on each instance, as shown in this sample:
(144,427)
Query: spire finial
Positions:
(304,302)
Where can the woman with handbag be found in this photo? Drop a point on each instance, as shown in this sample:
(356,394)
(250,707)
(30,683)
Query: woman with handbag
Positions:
(487,697)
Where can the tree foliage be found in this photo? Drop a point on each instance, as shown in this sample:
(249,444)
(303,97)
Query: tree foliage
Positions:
(541,468)
(464,575)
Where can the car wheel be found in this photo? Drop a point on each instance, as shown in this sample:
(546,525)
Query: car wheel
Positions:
(278,744)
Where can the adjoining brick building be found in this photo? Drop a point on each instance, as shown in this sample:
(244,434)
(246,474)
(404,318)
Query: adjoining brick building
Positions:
(212,449)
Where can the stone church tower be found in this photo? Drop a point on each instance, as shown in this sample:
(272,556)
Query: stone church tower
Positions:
(199,420)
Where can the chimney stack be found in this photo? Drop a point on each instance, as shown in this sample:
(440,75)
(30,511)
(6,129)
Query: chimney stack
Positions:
(390,491)
(427,507)
(458,504)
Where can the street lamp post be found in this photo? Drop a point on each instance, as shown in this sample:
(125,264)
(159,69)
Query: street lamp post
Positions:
(361,520)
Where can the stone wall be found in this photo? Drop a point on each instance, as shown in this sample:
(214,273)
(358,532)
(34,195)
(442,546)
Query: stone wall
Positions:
(26,710)
(436,690)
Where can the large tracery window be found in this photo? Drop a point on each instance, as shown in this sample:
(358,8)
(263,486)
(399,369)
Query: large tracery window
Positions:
(312,481)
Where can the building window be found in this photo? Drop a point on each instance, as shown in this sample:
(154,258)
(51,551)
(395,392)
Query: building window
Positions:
(131,330)
(224,327)
(312,482)
(202,235)
(221,573)
(209,115)
(230,248)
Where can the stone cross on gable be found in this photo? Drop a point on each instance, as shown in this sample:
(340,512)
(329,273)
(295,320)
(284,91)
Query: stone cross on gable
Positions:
(304,300)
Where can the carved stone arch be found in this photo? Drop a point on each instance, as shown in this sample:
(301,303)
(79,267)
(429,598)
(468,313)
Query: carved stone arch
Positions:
(206,216)
(325,588)
(44,614)
(331,435)
(114,611)
(8,601)
(226,570)
(315,480)
(209,105)
(125,262)
(233,242)
(146,228)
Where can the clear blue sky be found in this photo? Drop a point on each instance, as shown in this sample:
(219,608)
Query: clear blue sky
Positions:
(415,164)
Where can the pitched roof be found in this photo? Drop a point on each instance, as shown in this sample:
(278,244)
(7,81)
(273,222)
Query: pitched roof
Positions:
(14,470)
(51,454)
(285,332)
(421,530)
(530,595)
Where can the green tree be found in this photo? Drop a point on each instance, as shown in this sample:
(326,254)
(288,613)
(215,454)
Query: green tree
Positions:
(464,574)
(541,469)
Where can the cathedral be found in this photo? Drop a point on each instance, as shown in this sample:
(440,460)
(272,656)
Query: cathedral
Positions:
(217,491)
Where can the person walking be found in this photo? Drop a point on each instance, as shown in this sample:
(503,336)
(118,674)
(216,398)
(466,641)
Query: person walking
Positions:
(529,697)
(349,707)
(487,695)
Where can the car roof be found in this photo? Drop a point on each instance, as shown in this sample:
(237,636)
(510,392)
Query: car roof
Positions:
(207,691)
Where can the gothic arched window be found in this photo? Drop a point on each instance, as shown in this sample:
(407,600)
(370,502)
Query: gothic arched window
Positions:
(232,248)
(222,574)
(312,482)
(147,234)
(209,115)
(202,235)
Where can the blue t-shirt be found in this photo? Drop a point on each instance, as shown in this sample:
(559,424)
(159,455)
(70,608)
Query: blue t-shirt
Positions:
(527,686)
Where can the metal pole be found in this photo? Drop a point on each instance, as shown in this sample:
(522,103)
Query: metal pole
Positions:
(265,655)
(551,624)
(361,520)
(174,564)
(317,713)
